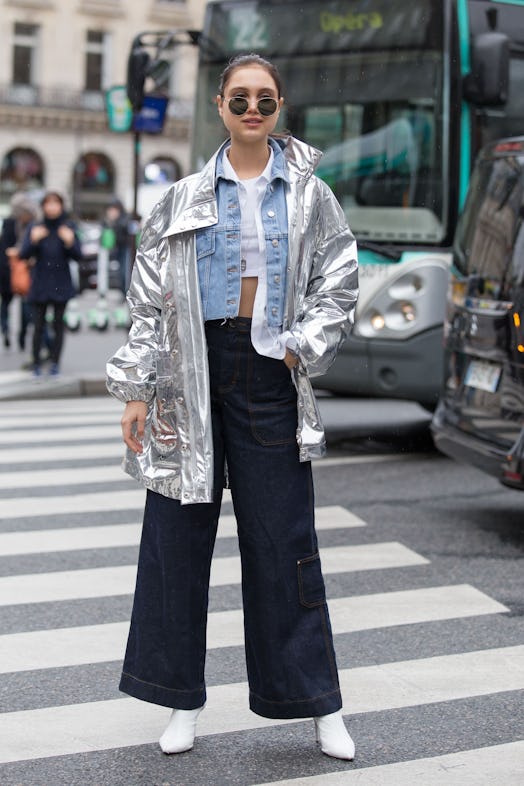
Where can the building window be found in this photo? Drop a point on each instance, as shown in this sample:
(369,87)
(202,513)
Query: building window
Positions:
(96,60)
(25,44)
(21,169)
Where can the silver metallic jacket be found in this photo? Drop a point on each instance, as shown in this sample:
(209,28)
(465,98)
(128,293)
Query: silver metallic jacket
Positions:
(164,361)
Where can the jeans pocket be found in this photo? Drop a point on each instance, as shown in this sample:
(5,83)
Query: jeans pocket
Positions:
(272,402)
(312,592)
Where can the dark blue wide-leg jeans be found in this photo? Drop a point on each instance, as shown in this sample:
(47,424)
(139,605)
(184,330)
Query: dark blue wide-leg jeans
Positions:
(289,645)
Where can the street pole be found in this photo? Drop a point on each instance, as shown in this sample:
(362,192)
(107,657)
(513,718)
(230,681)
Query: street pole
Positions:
(136,172)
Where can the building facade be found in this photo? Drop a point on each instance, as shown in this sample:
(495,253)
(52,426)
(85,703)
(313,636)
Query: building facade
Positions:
(57,60)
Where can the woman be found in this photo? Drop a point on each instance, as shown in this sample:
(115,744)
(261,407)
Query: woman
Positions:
(52,242)
(244,285)
(23,212)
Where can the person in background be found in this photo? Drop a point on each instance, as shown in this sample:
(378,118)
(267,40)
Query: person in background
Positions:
(23,211)
(52,242)
(244,286)
(117,219)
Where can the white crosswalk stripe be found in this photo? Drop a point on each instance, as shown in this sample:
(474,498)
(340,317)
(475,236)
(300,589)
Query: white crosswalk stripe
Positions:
(89,430)
(98,582)
(98,643)
(111,536)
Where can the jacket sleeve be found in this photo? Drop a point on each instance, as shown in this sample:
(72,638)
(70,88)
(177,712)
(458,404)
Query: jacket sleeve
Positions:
(328,309)
(131,372)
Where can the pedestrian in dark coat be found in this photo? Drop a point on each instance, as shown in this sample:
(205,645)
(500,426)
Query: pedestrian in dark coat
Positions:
(23,212)
(52,243)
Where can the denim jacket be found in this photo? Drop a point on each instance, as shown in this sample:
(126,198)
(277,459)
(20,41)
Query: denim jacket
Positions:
(218,246)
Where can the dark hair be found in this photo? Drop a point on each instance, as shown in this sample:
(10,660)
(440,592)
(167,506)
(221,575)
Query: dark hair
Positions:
(239,61)
(52,195)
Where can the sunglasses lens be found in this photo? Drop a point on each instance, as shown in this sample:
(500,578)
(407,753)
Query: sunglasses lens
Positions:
(238,105)
(267,106)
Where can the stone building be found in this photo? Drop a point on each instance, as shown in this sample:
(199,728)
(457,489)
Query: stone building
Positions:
(57,60)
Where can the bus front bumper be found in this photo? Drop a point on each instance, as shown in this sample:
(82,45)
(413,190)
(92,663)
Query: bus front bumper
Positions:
(410,369)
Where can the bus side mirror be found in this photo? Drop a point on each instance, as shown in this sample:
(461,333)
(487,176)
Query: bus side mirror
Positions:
(488,81)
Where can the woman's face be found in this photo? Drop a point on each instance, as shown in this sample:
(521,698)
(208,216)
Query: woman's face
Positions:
(251,82)
(52,207)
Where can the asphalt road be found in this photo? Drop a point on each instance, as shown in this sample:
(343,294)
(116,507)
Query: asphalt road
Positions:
(423,567)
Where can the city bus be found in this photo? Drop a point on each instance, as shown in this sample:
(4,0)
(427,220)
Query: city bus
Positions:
(399,95)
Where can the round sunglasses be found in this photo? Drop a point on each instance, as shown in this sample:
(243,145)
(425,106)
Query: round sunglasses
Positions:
(239,106)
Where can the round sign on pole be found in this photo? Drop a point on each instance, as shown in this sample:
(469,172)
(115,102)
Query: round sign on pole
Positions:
(119,109)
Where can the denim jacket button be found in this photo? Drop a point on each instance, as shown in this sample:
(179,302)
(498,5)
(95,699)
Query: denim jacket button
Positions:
(274,243)
(277,279)
(271,213)
(274,311)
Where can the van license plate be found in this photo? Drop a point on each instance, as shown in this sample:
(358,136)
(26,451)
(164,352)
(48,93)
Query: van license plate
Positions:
(483,375)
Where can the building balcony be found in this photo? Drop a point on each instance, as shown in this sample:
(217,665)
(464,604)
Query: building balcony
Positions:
(64,109)
(32,96)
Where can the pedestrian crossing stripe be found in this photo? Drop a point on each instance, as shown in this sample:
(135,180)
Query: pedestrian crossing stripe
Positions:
(115,535)
(61,647)
(50,435)
(66,477)
(52,453)
(117,723)
(22,423)
(495,765)
(120,580)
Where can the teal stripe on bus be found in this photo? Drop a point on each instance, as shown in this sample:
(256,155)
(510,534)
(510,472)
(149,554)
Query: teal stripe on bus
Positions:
(465,116)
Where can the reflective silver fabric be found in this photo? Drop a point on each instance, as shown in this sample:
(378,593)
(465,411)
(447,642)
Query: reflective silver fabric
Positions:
(164,361)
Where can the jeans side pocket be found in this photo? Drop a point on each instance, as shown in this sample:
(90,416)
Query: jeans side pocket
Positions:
(312,592)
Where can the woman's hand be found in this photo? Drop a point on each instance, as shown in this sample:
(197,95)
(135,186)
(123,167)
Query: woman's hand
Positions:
(66,235)
(133,422)
(38,233)
(290,359)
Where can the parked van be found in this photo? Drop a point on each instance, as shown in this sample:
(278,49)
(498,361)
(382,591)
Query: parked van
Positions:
(480,414)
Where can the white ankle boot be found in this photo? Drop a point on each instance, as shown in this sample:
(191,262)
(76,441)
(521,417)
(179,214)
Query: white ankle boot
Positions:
(333,736)
(179,735)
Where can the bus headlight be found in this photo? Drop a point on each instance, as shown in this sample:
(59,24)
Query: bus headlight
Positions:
(377,321)
(407,304)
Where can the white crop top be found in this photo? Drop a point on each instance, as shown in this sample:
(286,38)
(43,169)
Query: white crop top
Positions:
(267,340)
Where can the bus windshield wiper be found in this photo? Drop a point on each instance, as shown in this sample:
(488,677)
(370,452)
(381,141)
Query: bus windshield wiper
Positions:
(378,248)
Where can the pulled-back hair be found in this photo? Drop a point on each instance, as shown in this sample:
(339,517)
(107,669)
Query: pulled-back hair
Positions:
(239,61)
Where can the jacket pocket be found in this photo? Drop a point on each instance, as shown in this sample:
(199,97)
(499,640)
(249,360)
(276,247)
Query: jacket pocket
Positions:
(165,383)
(311,588)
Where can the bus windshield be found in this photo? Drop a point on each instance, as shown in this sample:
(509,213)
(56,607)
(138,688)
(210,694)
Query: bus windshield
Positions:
(364,82)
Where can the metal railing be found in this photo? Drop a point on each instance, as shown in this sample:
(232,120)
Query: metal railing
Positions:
(68,98)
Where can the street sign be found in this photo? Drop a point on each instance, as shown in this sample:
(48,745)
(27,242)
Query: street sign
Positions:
(150,119)
(118,108)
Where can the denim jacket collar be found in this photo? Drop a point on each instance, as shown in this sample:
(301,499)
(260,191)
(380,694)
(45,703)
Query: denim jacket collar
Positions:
(278,170)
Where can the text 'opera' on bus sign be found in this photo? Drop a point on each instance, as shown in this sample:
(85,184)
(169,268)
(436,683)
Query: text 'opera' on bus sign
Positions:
(320,26)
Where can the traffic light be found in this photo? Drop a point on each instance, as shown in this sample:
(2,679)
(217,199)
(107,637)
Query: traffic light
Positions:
(137,69)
